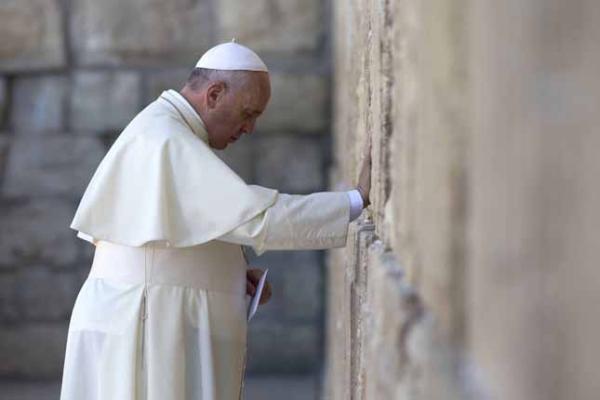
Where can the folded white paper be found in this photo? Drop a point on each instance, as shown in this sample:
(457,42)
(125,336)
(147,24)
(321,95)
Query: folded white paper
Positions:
(256,298)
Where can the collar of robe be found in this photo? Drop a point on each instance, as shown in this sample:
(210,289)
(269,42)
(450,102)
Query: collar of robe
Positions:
(187,112)
(161,181)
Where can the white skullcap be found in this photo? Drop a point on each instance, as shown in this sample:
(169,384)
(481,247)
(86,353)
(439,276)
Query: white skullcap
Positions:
(231,56)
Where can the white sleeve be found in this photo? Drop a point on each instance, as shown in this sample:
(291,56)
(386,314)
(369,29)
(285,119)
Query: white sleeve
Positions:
(356,204)
(297,222)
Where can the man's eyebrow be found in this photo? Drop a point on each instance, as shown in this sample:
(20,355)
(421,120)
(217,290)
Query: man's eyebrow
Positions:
(251,111)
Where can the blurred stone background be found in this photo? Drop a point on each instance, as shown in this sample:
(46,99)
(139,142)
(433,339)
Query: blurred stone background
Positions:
(72,75)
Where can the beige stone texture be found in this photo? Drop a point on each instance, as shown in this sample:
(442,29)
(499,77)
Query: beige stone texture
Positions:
(33,350)
(3,99)
(272,25)
(345,298)
(140,32)
(31,234)
(39,104)
(301,156)
(104,100)
(479,280)
(299,103)
(40,166)
(155,82)
(32,35)
(535,237)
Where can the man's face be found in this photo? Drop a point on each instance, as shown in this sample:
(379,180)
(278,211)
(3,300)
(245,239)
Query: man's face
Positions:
(236,110)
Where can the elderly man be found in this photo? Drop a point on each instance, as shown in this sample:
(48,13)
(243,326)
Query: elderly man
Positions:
(162,314)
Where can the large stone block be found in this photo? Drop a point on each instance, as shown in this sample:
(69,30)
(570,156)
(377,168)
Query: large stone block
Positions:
(239,156)
(296,279)
(38,103)
(3,98)
(8,297)
(283,348)
(51,165)
(37,232)
(140,31)
(299,103)
(270,26)
(104,101)
(290,163)
(46,295)
(392,312)
(303,288)
(32,35)
(33,351)
(157,82)
(4,146)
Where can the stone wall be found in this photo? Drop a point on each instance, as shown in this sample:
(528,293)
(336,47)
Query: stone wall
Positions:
(474,273)
(72,75)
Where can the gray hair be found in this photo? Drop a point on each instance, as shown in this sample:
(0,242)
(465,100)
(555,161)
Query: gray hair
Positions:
(199,77)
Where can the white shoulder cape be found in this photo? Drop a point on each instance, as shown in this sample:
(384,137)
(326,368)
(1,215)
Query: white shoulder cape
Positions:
(160,180)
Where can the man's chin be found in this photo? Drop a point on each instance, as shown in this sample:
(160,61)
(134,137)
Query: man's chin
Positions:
(222,146)
(218,146)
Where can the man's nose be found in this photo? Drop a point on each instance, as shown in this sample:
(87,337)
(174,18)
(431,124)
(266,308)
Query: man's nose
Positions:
(248,127)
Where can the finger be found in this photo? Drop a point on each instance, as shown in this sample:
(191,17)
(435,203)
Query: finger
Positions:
(266,294)
(250,288)
(254,275)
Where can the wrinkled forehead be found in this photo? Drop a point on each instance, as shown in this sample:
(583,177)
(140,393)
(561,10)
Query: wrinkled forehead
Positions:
(260,81)
(257,89)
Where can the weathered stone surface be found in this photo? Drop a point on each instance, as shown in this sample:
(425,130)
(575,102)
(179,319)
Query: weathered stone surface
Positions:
(33,350)
(296,279)
(534,221)
(285,333)
(240,157)
(46,295)
(57,164)
(393,312)
(303,287)
(269,26)
(37,232)
(283,347)
(478,193)
(275,386)
(3,99)
(157,82)
(4,146)
(32,36)
(104,101)
(290,163)
(299,103)
(140,31)
(39,103)
(401,82)
(347,325)
(8,297)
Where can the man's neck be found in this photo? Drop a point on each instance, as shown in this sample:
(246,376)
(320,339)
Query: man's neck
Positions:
(189,97)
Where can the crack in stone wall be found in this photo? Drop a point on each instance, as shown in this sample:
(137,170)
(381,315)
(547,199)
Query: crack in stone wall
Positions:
(479,275)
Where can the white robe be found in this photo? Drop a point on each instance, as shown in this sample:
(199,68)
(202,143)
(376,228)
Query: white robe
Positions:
(165,319)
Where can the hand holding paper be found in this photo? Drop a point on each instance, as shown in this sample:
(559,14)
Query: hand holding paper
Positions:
(258,293)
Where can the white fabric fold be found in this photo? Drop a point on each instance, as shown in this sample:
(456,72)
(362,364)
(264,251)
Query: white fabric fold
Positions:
(160,181)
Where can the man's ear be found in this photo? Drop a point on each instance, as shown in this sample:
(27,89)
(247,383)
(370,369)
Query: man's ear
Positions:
(215,93)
